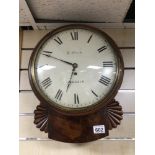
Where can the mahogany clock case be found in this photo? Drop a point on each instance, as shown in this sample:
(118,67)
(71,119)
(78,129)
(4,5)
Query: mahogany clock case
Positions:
(78,111)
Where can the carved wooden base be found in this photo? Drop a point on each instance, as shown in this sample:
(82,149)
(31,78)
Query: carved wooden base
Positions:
(41,117)
(80,128)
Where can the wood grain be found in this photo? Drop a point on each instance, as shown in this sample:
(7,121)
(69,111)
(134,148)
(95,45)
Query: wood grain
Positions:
(28,129)
(94,148)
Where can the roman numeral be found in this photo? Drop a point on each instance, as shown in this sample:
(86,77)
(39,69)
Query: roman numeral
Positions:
(47,53)
(46,83)
(59,94)
(94,93)
(74,35)
(76,99)
(108,64)
(58,40)
(89,39)
(102,49)
(104,80)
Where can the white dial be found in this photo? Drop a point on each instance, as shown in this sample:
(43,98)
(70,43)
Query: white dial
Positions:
(76,68)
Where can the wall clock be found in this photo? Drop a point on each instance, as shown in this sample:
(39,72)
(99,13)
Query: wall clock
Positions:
(75,71)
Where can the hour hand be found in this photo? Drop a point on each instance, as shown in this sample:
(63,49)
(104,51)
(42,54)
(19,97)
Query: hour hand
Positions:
(75,65)
(69,82)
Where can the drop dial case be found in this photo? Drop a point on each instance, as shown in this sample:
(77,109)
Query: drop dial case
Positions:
(75,71)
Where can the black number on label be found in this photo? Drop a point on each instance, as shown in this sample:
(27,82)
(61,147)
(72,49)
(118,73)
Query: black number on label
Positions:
(59,94)
(102,49)
(89,39)
(74,35)
(99,130)
(76,99)
(58,40)
(47,53)
(46,83)
(104,80)
(94,93)
(108,64)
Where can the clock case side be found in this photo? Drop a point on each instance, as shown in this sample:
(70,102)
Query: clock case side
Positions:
(81,111)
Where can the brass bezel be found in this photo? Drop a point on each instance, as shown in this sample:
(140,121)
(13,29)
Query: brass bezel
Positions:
(84,110)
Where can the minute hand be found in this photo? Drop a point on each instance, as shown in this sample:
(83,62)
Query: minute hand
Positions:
(69,63)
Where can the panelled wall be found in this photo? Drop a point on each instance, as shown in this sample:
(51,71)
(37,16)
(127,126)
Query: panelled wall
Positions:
(120,140)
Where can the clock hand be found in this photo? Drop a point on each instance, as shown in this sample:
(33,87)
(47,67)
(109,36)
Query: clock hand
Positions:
(69,82)
(69,63)
(74,65)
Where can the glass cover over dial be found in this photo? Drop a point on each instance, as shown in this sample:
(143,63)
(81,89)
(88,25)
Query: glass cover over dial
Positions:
(76,68)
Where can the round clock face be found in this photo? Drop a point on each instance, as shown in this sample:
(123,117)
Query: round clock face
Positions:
(75,68)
